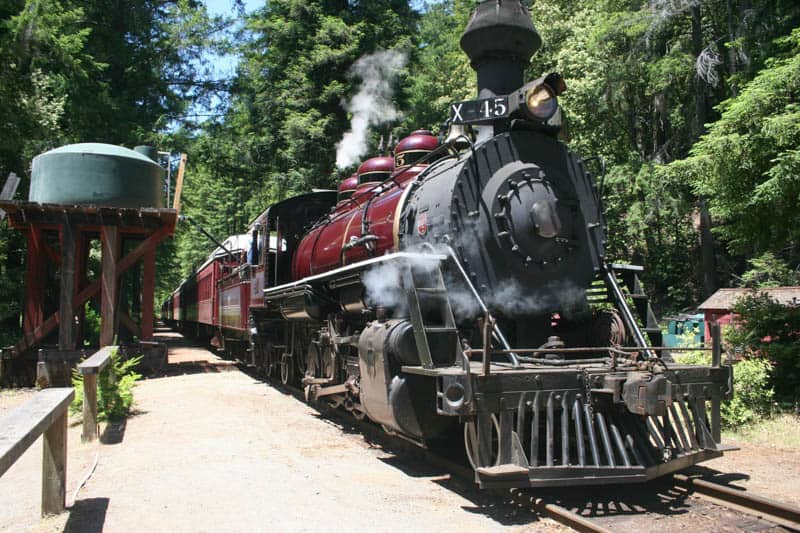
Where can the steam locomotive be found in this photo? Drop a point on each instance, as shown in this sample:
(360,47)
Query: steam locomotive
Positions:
(462,286)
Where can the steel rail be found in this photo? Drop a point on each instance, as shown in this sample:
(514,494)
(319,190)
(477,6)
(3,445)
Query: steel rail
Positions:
(562,515)
(781,513)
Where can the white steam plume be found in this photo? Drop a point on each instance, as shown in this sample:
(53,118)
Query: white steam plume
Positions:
(384,287)
(372,104)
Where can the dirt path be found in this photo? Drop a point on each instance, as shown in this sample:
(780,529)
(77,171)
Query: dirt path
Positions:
(214,450)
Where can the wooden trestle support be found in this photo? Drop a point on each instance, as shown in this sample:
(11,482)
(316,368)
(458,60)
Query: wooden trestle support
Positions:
(72,229)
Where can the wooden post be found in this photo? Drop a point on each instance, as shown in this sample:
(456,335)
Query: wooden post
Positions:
(43,380)
(148,295)
(176,201)
(90,428)
(109,285)
(716,399)
(66,326)
(82,245)
(54,466)
(89,369)
(34,282)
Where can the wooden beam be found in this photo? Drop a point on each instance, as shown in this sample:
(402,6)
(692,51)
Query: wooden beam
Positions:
(39,330)
(82,244)
(34,282)
(52,255)
(9,189)
(32,338)
(145,246)
(66,329)
(148,296)
(97,362)
(176,203)
(129,324)
(109,236)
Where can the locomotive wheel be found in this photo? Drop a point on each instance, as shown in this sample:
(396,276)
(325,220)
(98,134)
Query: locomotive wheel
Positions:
(312,361)
(301,359)
(286,369)
(471,443)
(319,362)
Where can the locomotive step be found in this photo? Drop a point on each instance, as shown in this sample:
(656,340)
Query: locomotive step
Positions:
(431,290)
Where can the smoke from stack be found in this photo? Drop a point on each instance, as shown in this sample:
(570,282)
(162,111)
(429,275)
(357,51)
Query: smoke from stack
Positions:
(372,105)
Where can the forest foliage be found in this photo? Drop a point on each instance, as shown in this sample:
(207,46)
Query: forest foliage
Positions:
(693,106)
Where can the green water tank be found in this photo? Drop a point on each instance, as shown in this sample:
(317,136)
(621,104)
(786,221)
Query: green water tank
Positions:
(97,174)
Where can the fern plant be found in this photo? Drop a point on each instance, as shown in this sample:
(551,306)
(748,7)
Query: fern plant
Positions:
(114,388)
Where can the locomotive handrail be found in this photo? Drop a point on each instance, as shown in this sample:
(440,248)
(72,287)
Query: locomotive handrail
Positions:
(627,314)
(495,328)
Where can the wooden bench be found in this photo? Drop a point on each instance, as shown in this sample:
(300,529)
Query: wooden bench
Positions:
(45,414)
(89,369)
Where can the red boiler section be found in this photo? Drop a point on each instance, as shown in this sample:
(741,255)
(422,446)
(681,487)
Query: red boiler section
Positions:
(344,238)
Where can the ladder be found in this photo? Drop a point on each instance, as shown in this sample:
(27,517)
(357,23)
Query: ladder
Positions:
(431,316)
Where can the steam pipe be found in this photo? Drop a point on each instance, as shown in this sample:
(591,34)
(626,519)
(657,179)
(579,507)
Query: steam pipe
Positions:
(512,357)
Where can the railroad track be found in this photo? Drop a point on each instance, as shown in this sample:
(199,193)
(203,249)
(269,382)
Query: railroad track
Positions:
(781,514)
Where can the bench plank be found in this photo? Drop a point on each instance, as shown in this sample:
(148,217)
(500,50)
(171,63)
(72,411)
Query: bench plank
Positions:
(22,426)
(96,363)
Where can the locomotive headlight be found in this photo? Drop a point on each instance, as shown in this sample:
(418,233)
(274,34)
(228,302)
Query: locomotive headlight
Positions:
(541,102)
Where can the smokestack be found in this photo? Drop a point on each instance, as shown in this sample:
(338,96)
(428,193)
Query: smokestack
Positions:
(500,40)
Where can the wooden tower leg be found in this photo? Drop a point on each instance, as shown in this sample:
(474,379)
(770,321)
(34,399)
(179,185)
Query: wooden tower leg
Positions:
(34,283)
(148,289)
(82,245)
(66,326)
(109,286)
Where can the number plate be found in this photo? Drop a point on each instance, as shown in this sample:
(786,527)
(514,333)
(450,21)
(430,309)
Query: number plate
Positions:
(482,110)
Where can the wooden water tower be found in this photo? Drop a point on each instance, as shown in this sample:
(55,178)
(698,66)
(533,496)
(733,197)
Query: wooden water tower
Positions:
(90,202)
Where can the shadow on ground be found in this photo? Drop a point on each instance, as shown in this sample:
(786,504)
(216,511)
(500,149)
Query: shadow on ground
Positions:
(87,516)
(114,431)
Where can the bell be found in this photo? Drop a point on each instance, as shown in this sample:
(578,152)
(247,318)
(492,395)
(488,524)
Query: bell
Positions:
(458,137)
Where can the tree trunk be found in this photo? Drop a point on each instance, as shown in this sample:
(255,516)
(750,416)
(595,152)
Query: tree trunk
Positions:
(706,239)
(729,5)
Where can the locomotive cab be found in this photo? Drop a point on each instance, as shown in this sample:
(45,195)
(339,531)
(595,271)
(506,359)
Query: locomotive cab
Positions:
(282,227)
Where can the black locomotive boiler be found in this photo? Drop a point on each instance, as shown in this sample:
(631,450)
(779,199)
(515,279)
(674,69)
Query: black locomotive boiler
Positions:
(468,290)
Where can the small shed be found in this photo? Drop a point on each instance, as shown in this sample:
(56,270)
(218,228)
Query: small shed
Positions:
(717,308)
